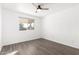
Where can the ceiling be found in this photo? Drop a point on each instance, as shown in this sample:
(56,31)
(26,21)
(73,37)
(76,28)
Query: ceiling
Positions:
(30,9)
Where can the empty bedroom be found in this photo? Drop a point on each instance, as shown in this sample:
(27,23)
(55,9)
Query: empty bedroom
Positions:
(39,29)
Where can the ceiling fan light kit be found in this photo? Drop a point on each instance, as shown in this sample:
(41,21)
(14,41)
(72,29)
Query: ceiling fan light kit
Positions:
(39,10)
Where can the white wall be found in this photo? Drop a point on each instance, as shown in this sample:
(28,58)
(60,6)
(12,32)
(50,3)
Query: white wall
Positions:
(63,27)
(10,28)
(0,27)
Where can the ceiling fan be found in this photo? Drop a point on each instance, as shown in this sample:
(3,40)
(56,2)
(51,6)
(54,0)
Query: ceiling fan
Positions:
(39,7)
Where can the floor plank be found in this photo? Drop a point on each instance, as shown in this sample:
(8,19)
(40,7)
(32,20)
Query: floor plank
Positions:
(39,47)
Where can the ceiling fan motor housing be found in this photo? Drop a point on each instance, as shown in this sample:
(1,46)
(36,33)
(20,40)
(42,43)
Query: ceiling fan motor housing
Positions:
(39,7)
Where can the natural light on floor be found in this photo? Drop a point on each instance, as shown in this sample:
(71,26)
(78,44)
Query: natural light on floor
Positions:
(12,53)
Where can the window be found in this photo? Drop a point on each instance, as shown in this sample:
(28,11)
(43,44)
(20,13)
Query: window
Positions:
(26,24)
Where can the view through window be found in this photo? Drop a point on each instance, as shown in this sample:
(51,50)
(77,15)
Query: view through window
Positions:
(26,24)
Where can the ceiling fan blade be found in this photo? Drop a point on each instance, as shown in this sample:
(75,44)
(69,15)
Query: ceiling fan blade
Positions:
(45,8)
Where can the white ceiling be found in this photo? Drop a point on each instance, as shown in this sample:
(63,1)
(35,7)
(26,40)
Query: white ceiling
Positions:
(28,8)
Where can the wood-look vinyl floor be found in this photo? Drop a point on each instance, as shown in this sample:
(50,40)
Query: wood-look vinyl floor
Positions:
(39,47)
